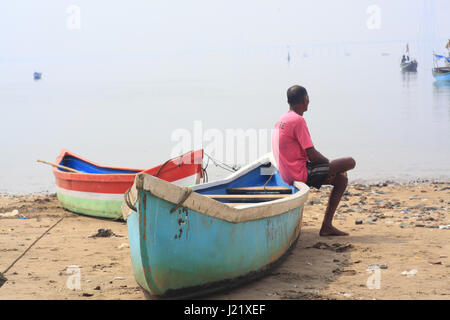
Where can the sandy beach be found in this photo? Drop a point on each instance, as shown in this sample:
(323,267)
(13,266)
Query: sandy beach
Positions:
(398,248)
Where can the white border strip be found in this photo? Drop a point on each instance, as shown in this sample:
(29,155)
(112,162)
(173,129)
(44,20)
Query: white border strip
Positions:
(116,196)
(90,195)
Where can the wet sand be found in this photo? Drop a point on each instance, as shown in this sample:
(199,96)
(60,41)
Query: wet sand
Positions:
(399,228)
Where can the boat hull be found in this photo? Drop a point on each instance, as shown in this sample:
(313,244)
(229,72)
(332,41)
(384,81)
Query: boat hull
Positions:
(441,74)
(202,254)
(92,204)
(409,66)
(99,191)
(205,246)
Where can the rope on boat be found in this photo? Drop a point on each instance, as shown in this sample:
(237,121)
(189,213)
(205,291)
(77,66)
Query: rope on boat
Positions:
(204,175)
(222,165)
(187,193)
(187,190)
(216,162)
(204,172)
(267,181)
(2,277)
(128,201)
(163,165)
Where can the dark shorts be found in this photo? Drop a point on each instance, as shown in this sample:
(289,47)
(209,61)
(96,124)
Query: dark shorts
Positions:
(317,174)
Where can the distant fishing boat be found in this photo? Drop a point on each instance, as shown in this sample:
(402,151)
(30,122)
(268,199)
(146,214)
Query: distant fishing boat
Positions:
(37,75)
(441,73)
(408,64)
(448,57)
(186,242)
(288,55)
(85,187)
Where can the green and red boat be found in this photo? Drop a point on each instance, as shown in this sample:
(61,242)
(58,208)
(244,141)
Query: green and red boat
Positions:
(97,190)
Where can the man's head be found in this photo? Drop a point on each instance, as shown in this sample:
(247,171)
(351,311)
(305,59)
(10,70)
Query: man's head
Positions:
(298,99)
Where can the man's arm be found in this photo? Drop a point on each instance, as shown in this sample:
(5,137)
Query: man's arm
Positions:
(315,156)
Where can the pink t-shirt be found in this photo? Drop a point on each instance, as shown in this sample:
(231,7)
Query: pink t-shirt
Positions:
(290,139)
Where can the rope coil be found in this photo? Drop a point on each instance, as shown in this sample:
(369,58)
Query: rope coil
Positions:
(128,201)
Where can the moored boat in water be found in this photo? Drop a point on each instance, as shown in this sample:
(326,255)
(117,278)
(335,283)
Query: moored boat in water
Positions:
(410,66)
(98,190)
(186,242)
(441,73)
(407,64)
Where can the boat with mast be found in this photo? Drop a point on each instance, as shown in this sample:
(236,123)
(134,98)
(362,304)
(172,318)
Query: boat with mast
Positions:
(408,64)
(442,73)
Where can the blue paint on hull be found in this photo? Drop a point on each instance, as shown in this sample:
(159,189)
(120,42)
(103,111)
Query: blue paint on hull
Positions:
(187,249)
(135,249)
(442,76)
(188,252)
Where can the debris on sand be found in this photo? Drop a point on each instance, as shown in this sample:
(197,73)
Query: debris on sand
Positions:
(104,233)
(13,213)
(337,247)
(123,245)
(339,271)
(377,266)
(410,273)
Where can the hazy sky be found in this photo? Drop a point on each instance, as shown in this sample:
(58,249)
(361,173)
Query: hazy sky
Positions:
(38,29)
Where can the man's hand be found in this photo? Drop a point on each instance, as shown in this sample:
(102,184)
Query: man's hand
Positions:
(315,156)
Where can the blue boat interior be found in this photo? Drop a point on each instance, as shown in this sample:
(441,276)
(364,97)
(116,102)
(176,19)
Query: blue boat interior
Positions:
(86,167)
(257,177)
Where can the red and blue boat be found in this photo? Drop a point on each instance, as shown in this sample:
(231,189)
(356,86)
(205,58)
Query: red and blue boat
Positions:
(97,190)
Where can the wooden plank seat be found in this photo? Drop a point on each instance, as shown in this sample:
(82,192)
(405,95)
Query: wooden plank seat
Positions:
(246,197)
(265,190)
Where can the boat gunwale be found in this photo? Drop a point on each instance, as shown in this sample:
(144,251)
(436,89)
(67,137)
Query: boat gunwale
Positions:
(213,208)
(89,176)
(104,177)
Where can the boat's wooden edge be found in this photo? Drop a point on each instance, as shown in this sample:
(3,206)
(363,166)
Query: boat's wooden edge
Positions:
(246,197)
(117,177)
(258,190)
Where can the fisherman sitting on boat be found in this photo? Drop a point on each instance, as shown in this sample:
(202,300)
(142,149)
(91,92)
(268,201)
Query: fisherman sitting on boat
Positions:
(403,59)
(298,160)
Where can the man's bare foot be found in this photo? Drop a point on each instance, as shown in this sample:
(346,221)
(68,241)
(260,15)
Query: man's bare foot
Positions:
(331,231)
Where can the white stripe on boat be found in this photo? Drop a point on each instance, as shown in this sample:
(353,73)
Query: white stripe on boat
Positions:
(115,196)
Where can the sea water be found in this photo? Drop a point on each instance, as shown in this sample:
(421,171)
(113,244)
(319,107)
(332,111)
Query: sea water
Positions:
(123,110)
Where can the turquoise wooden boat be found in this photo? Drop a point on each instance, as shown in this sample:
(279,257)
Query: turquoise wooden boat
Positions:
(192,241)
